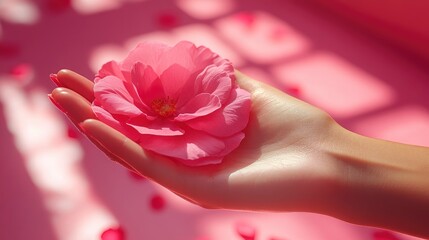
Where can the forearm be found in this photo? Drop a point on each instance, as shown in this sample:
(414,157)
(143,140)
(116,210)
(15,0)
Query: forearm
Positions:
(382,184)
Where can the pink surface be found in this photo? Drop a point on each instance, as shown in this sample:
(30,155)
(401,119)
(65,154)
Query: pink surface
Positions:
(401,22)
(55,185)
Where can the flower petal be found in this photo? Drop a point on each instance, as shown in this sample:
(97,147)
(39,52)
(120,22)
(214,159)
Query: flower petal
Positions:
(148,53)
(109,119)
(161,56)
(109,69)
(147,82)
(173,79)
(112,95)
(201,161)
(187,55)
(178,54)
(204,57)
(231,143)
(158,128)
(112,68)
(192,145)
(201,105)
(226,121)
(217,80)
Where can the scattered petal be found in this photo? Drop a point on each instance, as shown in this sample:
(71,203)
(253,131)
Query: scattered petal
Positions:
(293,90)
(157,202)
(246,18)
(21,70)
(246,231)
(22,73)
(115,233)
(72,133)
(384,235)
(167,20)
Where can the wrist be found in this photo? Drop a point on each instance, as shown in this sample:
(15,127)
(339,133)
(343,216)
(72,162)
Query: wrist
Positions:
(379,183)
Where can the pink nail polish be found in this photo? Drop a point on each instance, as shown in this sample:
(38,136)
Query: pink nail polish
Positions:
(54,79)
(56,104)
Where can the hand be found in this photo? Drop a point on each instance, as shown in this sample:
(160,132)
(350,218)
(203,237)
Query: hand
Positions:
(280,165)
(294,158)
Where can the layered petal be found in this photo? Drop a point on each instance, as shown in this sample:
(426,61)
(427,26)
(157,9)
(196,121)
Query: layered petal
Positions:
(110,120)
(181,54)
(113,96)
(148,53)
(158,128)
(174,78)
(201,105)
(226,121)
(204,57)
(231,143)
(161,56)
(216,80)
(111,68)
(147,83)
(201,56)
(191,146)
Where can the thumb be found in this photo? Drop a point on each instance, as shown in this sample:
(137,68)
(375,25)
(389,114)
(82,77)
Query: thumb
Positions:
(160,169)
(247,83)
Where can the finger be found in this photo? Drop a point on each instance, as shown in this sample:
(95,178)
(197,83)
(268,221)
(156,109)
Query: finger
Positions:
(106,151)
(257,88)
(76,82)
(199,185)
(159,169)
(76,107)
(247,83)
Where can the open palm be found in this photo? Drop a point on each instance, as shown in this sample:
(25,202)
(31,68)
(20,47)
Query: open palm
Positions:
(281,164)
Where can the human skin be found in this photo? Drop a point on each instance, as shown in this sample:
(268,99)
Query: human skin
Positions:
(294,157)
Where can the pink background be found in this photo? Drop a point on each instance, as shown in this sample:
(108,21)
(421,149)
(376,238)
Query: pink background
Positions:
(55,185)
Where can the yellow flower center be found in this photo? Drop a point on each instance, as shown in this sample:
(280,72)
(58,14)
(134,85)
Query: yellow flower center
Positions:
(164,107)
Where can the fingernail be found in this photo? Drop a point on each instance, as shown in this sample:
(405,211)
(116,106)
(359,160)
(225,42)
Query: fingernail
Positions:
(54,79)
(56,104)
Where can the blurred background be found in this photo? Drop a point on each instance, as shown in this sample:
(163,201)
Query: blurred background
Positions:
(365,62)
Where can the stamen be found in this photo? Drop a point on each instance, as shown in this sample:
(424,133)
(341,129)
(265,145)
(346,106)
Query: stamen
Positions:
(164,107)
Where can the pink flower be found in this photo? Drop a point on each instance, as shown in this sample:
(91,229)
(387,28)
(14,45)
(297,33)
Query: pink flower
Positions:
(181,102)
